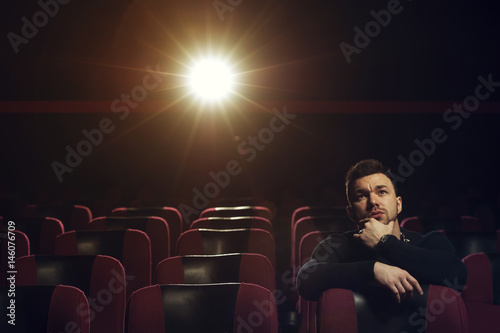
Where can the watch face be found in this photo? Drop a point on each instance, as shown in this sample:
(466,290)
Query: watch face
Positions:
(382,240)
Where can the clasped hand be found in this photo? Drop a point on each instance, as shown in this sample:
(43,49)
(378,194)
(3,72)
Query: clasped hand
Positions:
(373,230)
(397,280)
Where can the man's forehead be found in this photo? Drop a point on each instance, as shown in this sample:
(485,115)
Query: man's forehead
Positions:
(373,181)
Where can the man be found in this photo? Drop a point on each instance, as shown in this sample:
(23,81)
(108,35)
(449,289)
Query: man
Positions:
(379,251)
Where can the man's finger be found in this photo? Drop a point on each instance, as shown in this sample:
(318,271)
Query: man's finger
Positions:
(401,289)
(415,284)
(409,289)
(396,294)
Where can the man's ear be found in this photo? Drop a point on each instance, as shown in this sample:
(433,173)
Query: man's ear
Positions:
(400,204)
(349,213)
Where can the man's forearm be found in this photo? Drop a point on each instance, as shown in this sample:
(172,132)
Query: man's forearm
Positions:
(428,266)
(316,277)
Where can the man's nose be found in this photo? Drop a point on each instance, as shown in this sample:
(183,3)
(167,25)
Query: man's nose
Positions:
(373,200)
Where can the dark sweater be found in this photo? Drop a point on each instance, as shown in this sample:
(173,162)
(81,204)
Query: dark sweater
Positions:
(341,261)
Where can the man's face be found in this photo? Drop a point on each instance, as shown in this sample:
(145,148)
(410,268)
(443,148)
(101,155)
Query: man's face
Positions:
(374,196)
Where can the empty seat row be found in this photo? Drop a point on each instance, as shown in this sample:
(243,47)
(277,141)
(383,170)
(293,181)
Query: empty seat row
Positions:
(43,231)
(224,307)
(106,284)
(133,247)
(198,267)
(78,217)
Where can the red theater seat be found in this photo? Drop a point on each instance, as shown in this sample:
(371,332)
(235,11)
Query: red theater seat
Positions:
(223,307)
(131,247)
(307,309)
(482,292)
(41,232)
(440,309)
(13,245)
(308,224)
(235,267)
(304,211)
(155,227)
(425,225)
(247,222)
(101,278)
(211,241)
(238,211)
(45,309)
(73,217)
(170,214)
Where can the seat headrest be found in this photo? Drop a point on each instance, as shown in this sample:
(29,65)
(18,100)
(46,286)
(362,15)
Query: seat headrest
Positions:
(185,307)
(69,270)
(101,242)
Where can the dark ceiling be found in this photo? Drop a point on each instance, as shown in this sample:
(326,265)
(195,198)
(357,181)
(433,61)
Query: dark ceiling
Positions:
(93,50)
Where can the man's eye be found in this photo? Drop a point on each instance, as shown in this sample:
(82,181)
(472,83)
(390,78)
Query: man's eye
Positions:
(383,192)
(360,196)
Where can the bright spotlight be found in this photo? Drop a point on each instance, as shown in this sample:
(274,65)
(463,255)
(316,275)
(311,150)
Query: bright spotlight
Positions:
(211,79)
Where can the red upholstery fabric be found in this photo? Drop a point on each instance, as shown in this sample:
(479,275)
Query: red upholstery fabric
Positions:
(237,211)
(479,285)
(254,310)
(105,286)
(307,224)
(171,215)
(52,228)
(170,271)
(307,244)
(27,266)
(210,241)
(482,317)
(446,311)
(482,312)
(145,311)
(247,222)
(257,269)
(190,242)
(22,248)
(73,217)
(65,300)
(337,312)
(304,211)
(440,309)
(252,268)
(424,225)
(41,231)
(155,227)
(133,250)
(306,308)
(412,223)
(66,244)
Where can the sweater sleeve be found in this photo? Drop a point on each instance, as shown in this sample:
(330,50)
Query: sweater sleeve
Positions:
(326,270)
(432,261)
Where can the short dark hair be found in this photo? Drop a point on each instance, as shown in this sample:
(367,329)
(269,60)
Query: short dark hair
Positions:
(365,168)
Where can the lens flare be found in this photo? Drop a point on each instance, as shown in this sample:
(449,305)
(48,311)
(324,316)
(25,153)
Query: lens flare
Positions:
(211,79)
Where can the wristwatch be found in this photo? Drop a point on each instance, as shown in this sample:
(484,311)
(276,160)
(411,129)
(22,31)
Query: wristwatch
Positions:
(382,241)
